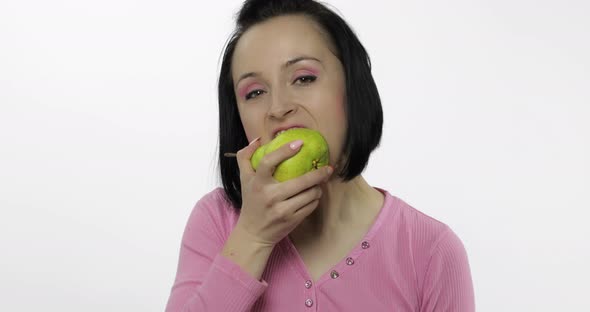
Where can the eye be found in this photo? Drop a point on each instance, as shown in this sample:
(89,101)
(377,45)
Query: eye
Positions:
(307,79)
(253,94)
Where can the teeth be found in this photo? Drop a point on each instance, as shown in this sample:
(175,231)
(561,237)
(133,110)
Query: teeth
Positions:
(276,135)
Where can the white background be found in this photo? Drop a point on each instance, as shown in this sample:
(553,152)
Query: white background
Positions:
(108,132)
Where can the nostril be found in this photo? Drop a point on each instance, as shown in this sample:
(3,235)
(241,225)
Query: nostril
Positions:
(279,113)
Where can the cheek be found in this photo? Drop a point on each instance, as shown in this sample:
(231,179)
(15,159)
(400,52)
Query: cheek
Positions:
(250,131)
(249,137)
(245,124)
(252,123)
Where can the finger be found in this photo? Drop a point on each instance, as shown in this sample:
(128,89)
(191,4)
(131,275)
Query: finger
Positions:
(297,202)
(243,156)
(305,211)
(270,161)
(297,185)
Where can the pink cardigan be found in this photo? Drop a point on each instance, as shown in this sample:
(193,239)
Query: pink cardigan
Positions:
(407,261)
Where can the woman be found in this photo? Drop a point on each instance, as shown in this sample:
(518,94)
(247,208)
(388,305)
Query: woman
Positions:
(327,240)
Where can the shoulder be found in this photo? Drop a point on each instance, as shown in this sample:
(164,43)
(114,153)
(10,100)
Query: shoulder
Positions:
(441,264)
(422,229)
(215,200)
(424,236)
(436,250)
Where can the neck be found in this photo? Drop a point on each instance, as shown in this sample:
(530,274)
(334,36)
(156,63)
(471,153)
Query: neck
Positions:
(343,206)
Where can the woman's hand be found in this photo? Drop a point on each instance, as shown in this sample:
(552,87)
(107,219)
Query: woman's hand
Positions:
(271,209)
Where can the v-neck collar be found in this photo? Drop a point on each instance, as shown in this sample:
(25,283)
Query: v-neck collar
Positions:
(296,261)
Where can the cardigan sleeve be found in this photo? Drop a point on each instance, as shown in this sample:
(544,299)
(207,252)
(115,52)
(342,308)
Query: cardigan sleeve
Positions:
(447,285)
(205,279)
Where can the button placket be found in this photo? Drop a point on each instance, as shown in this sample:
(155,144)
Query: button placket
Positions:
(309,300)
(349,260)
(334,274)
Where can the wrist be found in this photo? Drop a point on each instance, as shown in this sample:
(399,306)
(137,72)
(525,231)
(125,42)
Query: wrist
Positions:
(251,239)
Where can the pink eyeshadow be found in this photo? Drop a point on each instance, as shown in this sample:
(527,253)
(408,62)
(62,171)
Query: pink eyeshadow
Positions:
(244,90)
(310,70)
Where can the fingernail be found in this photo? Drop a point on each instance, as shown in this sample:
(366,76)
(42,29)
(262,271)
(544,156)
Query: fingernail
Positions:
(330,169)
(295,145)
(258,138)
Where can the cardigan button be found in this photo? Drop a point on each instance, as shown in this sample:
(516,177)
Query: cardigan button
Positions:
(334,274)
(308,303)
(365,245)
(349,261)
(308,284)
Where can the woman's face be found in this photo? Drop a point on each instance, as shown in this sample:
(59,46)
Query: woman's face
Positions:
(285,74)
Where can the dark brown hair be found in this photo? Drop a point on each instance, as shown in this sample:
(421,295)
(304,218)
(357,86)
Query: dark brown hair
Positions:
(363,104)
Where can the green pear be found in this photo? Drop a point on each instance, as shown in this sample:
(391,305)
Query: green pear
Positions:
(312,155)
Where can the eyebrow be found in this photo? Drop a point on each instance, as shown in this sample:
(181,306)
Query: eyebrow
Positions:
(287,64)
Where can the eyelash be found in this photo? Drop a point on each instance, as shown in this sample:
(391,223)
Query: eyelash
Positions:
(311,79)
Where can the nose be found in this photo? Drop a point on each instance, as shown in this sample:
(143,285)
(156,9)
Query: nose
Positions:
(281,106)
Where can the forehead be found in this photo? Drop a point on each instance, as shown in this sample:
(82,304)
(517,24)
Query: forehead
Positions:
(271,43)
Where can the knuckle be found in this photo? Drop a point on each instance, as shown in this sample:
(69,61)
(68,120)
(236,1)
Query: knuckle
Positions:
(270,197)
(266,161)
(278,215)
(274,199)
(282,217)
